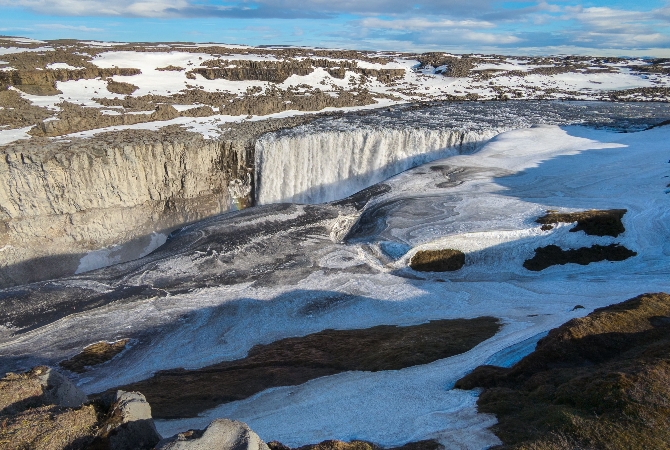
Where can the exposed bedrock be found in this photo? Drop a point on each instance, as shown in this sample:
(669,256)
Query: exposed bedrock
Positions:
(60,200)
(43,82)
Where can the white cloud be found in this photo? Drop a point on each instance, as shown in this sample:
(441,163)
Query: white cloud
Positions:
(156,8)
(60,26)
(490,38)
(422,24)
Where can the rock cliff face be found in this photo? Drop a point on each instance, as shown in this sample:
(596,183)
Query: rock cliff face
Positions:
(60,200)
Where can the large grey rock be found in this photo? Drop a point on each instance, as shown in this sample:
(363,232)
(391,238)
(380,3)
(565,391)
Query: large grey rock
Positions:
(130,425)
(221,434)
(58,389)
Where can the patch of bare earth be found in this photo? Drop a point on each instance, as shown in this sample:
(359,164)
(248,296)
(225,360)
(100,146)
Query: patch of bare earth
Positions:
(592,222)
(93,355)
(444,260)
(17,112)
(597,382)
(292,361)
(552,255)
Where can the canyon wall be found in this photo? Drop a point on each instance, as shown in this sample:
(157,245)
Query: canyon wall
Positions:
(61,200)
(69,206)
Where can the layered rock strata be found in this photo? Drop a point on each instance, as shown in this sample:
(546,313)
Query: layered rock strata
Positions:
(62,199)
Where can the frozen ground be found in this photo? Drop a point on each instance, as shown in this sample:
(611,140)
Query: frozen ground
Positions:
(487,77)
(217,288)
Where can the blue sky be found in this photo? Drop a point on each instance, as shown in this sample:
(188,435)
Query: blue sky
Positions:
(619,27)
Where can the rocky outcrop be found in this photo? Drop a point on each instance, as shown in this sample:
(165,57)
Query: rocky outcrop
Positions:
(593,222)
(62,199)
(42,410)
(455,66)
(38,387)
(118,87)
(128,425)
(221,434)
(43,82)
(94,354)
(600,381)
(17,112)
(279,71)
(552,255)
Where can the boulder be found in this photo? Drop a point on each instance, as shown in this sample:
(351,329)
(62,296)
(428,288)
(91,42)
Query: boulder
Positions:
(58,389)
(221,434)
(129,425)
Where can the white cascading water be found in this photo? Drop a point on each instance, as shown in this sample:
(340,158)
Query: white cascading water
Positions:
(331,165)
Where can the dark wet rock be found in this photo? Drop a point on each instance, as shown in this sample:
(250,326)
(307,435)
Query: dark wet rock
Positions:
(595,382)
(443,260)
(592,222)
(185,393)
(552,255)
(220,434)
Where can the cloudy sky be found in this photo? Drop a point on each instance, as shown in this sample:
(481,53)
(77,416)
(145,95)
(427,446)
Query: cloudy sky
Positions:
(615,27)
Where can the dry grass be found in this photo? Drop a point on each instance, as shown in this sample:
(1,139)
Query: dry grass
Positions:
(94,354)
(445,260)
(49,428)
(602,381)
(292,361)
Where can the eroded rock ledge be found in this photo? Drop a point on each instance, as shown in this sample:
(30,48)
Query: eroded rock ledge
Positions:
(61,199)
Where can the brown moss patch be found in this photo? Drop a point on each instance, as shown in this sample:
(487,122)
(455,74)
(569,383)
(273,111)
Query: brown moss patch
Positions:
(602,381)
(445,260)
(93,355)
(593,222)
(118,87)
(292,361)
(552,255)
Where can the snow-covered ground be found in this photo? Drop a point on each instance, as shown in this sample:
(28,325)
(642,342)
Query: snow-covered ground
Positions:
(511,78)
(484,204)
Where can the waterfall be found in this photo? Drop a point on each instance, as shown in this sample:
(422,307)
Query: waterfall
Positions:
(333,164)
